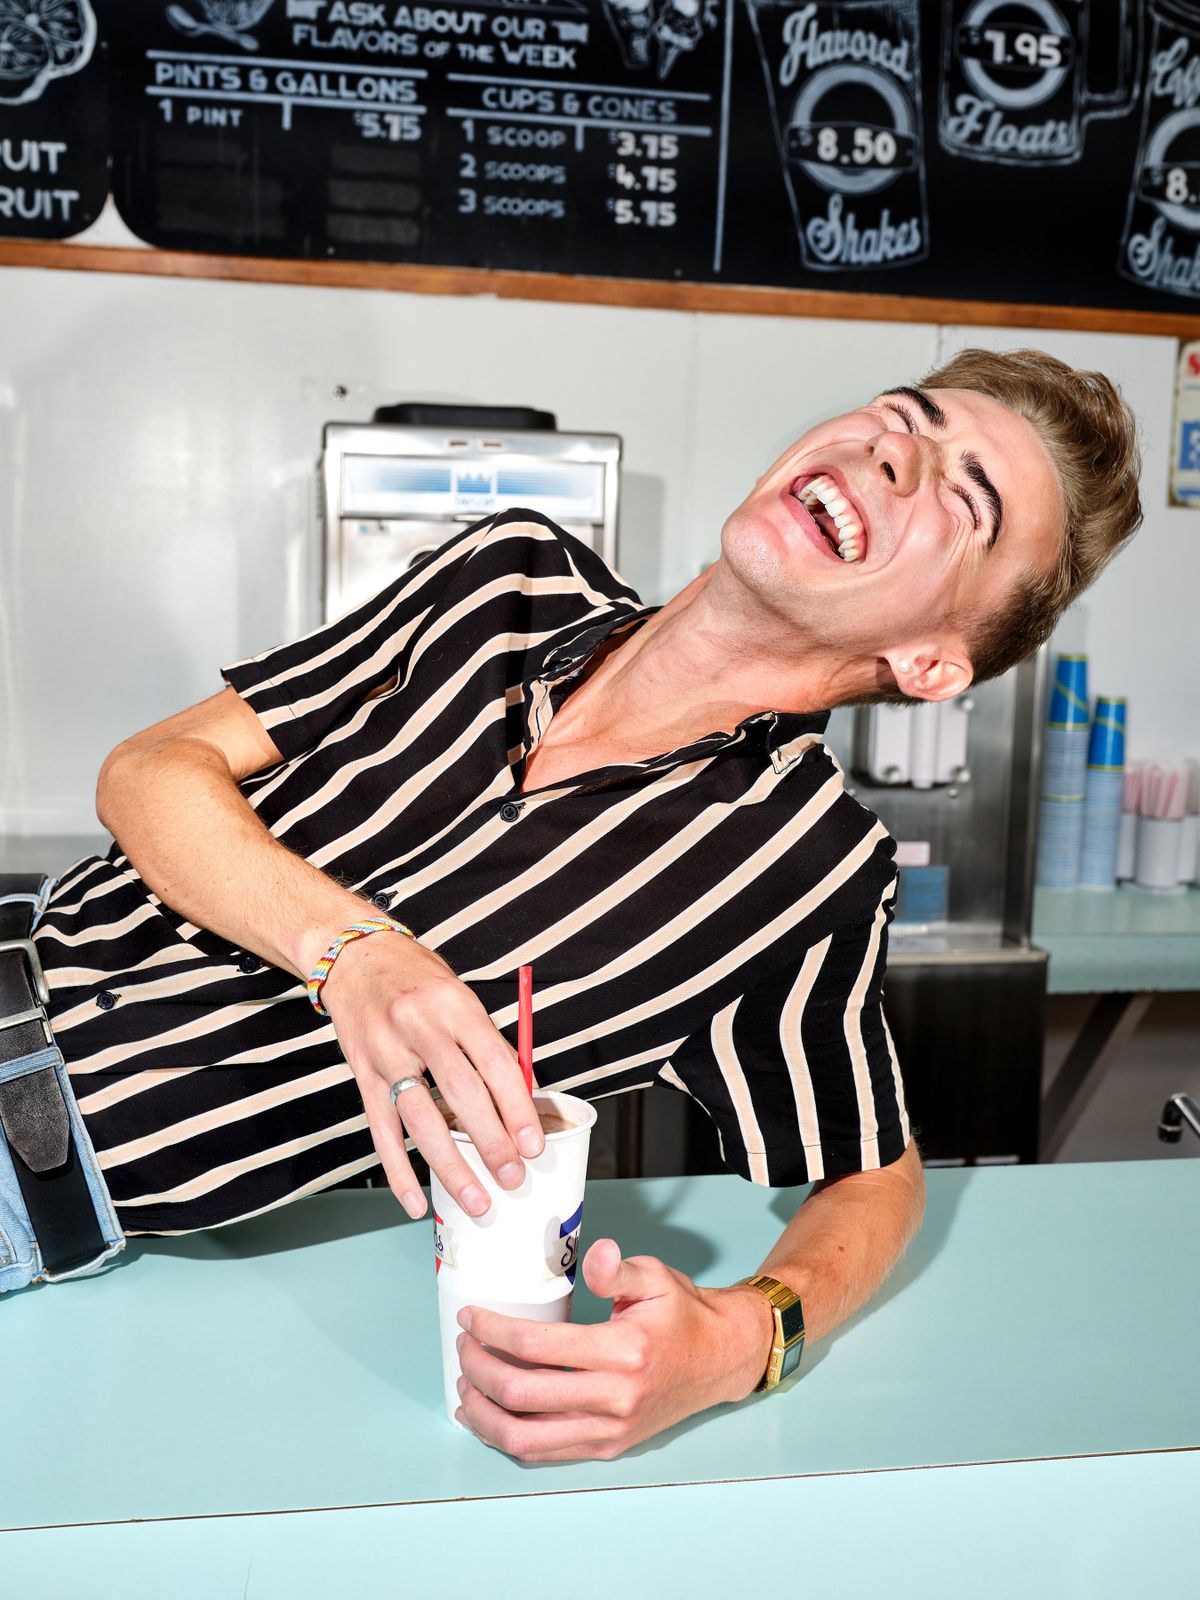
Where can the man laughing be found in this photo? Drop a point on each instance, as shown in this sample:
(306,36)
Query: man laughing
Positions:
(505,757)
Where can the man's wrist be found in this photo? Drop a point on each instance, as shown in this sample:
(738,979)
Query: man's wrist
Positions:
(751,1335)
(315,937)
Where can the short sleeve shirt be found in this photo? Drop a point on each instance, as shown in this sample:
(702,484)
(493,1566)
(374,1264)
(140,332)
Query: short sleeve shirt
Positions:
(713,918)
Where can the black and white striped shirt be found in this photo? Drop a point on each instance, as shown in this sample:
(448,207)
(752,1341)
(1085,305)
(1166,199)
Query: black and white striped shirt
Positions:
(714,918)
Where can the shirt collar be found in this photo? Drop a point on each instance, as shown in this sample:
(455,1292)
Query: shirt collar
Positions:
(568,650)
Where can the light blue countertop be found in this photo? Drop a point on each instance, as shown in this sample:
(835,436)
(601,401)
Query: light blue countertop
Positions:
(1106,940)
(290,1364)
(1101,1528)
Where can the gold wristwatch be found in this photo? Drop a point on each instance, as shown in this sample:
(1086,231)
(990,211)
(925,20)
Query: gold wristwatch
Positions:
(788,1343)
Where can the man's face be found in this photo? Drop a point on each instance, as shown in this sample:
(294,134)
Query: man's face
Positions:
(955,499)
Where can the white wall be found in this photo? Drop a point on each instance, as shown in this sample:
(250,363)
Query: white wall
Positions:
(158,440)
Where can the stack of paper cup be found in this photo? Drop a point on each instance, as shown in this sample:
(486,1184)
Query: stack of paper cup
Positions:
(1064,771)
(1160,829)
(519,1257)
(1105,783)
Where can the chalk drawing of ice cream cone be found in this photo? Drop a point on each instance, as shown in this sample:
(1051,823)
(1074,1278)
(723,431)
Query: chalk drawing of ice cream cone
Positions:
(226,19)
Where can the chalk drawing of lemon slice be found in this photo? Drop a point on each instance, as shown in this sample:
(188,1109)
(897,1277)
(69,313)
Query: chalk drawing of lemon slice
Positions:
(24,52)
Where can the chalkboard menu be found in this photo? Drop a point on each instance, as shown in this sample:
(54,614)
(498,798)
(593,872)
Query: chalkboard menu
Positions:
(1006,150)
(53,119)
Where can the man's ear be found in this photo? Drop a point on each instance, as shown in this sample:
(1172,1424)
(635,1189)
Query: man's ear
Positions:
(930,673)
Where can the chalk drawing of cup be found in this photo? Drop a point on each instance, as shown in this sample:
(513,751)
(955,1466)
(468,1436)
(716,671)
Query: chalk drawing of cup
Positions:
(843,80)
(1160,247)
(1015,76)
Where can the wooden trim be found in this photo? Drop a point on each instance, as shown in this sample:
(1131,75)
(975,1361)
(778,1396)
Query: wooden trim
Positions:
(716,297)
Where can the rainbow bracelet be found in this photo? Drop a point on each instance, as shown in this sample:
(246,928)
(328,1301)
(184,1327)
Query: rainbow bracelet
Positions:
(356,930)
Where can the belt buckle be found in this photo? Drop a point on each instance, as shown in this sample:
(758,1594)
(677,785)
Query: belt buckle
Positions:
(40,987)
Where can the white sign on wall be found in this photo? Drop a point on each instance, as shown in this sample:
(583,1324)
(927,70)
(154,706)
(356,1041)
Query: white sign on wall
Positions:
(1185,438)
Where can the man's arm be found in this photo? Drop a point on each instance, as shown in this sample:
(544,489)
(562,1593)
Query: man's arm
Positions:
(170,796)
(671,1348)
(842,1243)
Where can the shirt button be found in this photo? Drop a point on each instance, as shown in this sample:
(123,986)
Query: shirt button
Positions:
(509,812)
(383,900)
(105,1000)
(249,963)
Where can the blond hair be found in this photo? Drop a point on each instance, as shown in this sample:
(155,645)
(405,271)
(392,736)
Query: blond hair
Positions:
(1091,437)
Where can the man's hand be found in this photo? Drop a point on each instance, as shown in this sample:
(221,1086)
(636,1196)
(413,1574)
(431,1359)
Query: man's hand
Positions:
(399,1009)
(670,1349)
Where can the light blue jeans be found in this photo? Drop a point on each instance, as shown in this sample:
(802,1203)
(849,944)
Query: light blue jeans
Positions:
(20,1258)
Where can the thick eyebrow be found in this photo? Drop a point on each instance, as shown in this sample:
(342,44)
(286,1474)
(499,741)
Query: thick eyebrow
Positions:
(973,468)
(972,465)
(933,412)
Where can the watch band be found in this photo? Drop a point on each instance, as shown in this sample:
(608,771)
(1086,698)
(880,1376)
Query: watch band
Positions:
(788,1343)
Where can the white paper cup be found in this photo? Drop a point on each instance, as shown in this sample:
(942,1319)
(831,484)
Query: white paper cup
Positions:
(1189,848)
(1126,844)
(520,1256)
(1157,860)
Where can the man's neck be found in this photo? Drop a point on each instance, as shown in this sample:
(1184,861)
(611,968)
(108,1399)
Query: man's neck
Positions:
(702,664)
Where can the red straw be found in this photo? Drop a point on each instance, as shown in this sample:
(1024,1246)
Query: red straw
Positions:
(525,1023)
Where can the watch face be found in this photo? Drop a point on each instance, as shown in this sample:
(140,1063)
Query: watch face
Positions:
(791,1360)
(792,1318)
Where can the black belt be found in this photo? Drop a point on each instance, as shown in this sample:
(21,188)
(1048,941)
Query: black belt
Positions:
(33,1114)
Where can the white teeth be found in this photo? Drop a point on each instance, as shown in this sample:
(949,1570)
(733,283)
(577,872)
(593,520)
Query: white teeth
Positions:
(824,492)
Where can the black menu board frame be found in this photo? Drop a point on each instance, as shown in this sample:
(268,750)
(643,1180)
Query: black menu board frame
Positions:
(572,289)
(867,159)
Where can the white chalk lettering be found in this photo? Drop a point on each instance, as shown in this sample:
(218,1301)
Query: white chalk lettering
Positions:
(197,75)
(809,45)
(1173,77)
(980,125)
(329,85)
(837,240)
(38,205)
(1152,259)
(364,41)
(631,108)
(31,155)
(559,57)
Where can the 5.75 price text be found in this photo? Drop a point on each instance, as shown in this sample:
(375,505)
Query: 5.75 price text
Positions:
(650,213)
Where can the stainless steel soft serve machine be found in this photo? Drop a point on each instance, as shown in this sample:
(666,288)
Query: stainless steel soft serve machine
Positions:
(396,488)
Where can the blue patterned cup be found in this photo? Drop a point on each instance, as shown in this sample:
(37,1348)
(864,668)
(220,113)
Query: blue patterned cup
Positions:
(1106,747)
(1069,693)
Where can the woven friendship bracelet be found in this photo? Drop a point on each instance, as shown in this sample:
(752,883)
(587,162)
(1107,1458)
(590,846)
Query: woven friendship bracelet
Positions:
(356,930)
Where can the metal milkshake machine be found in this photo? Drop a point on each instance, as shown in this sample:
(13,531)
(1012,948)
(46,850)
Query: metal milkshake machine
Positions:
(965,993)
(396,488)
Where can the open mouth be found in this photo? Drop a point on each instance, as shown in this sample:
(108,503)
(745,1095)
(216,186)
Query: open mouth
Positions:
(836,518)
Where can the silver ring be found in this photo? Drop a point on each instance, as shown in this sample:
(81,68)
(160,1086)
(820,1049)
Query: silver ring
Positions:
(401,1084)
